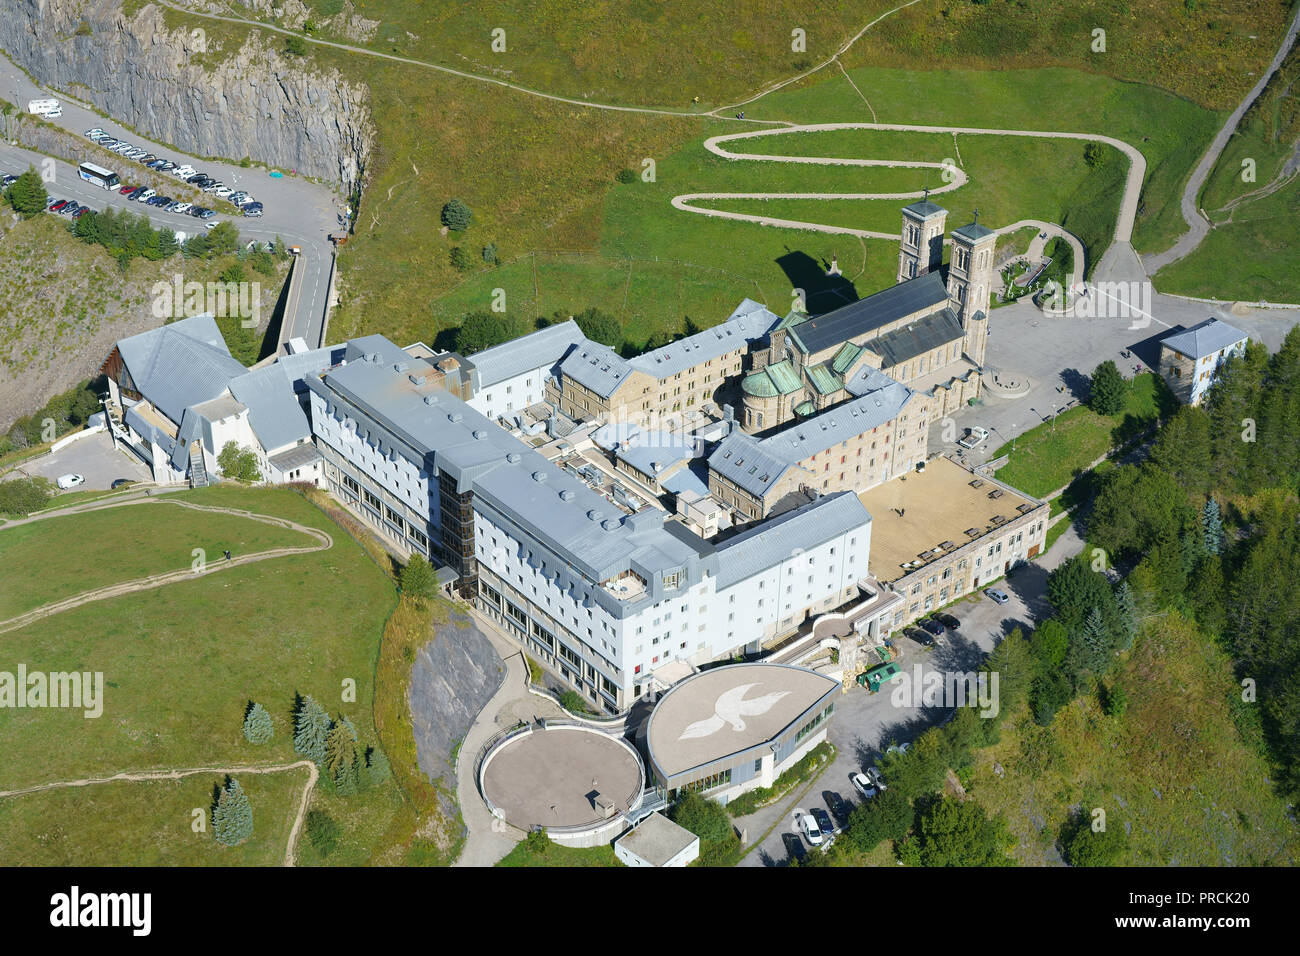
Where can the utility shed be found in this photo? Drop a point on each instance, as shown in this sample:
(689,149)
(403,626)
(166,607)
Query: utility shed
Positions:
(657,841)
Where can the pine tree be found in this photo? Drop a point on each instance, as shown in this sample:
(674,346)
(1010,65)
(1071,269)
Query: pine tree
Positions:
(1212,527)
(1109,392)
(1127,608)
(341,757)
(258,728)
(232,817)
(311,729)
(1092,647)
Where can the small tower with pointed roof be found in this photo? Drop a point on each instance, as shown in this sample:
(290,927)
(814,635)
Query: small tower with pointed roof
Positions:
(921,249)
(970,280)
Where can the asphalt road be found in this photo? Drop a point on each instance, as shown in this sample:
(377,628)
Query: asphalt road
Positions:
(302,213)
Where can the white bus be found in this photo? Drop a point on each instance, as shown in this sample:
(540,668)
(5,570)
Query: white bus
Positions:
(98,175)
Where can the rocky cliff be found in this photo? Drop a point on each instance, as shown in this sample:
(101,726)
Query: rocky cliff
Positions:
(194,90)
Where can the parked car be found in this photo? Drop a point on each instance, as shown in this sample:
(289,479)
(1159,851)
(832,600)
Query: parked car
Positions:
(863,784)
(81,211)
(92,133)
(125,188)
(253,209)
(167,166)
(210,225)
(949,621)
(824,821)
(183,207)
(70,481)
(146,195)
(811,832)
(146,159)
(876,777)
(794,848)
(997,595)
(974,436)
(933,626)
(120,483)
(8,180)
(898,748)
(840,808)
(208,214)
(135,194)
(223,192)
(69,208)
(51,203)
(107,142)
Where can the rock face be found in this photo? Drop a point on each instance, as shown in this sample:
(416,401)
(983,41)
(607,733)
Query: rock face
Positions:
(452,678)
(192,89)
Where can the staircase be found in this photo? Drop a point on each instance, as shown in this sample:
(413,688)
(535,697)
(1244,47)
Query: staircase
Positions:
(198,471)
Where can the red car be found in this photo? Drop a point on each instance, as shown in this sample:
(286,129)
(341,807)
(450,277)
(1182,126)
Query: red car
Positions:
(58,205)
(126,189)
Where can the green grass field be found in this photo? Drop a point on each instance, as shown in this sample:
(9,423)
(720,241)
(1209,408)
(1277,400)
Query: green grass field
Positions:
(54,558)
(1173,771)
(1049,455)
(147,823)
(556,855)
(181,662)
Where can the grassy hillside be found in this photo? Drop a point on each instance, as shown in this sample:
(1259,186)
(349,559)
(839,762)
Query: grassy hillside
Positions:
(1188,787)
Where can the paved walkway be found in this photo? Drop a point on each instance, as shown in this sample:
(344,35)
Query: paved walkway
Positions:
(1198,227)
(488,839)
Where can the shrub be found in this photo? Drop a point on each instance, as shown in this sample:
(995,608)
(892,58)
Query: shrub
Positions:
(296,46)
(572,701)
(459,258)
(418,579)
(456,216)
(22,496)
(323,832)
(625,176)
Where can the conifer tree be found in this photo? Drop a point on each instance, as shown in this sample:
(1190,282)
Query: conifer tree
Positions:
(232,817)
(341,757)
(311,728)
(1212,527)
(1127,608)
(258,728)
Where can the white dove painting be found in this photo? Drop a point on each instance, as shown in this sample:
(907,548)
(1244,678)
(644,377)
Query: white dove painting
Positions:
(730,708)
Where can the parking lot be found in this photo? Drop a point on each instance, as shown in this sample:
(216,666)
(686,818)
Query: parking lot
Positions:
(94,458)
(865,724)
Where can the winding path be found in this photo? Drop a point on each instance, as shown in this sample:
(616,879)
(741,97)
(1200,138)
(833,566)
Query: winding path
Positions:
(323,543)
(1198,227)
(1123,226)
(291,847)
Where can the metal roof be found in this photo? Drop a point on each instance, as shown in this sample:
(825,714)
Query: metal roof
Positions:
(823,379)
(742,459)
(973,231)
(917,338)
(750,321)
(597,367)
(295,457)
(882,402)
(763,546)
(180,364)
(1204,339)
(274,411)
(540,349)
(924,209)
(860,318)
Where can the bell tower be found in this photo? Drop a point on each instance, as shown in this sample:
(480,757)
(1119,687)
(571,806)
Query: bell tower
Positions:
(970,280)
(921,249)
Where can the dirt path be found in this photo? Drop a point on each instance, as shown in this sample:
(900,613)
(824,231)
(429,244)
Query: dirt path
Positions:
(1198,227)
(956,176)
(323,539)
(291,848)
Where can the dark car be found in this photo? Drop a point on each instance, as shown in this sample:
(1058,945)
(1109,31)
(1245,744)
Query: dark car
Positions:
(919,635)
(949,621)
(136,193)
(146,159)
(81,211)
(8,180)
(168,166)
(157,164)
(253,209)
(840,808)
(824,821)
(794,848)
(933,626)
(69,208)
(207,214)
(120,483)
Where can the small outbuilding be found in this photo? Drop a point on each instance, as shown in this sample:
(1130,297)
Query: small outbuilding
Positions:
(657,841)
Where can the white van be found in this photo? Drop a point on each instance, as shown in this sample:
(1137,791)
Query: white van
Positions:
(811,831)
(44,107)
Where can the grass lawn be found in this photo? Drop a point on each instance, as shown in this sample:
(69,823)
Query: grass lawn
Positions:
(54,558)
(1173,771)
(180,663)
(1049,455)
(147,823)
(556,855)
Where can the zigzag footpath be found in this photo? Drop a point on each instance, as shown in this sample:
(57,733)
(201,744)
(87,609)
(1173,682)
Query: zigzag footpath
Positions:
(1123,225)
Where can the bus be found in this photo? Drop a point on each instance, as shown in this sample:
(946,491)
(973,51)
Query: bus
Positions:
(98,175)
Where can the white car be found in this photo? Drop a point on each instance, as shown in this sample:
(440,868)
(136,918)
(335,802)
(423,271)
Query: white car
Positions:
(974,436)
(93,133)
(70,481)
(184,207)
(864,785)
(223,191)
(811,831)
(898,748)
(210,225)
(148,194)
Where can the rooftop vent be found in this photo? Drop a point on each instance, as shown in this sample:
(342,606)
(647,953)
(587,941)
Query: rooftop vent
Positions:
(400,367)
(430,400)
(480,433)
(566,495)
(454,416)
(416,379)
(594,515)
(995,493)
(539,476)
(514,457)
(609,524)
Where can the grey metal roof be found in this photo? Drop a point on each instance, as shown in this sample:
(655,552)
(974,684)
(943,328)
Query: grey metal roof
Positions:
(539,349)
(766,545)
(924,209)
(750,321)
(972,231)
(295,457)
(597,367)
(881,402)
(1204,339)
(743,459)
(867,315)
(650,452)
(576,530)
(274,410)
(923,335)
(180,364)
(147,430)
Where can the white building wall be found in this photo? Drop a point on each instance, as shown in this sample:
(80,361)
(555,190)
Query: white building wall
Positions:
(512,396)
(402,478)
